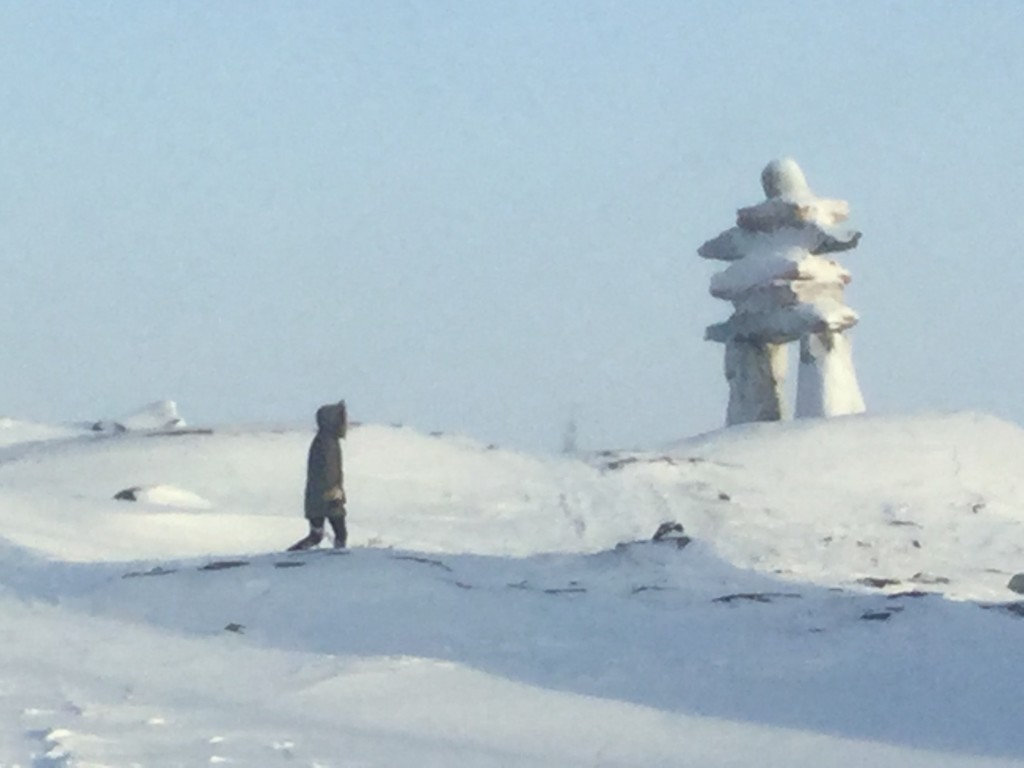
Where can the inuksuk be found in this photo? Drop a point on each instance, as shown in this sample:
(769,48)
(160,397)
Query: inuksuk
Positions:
(783,289)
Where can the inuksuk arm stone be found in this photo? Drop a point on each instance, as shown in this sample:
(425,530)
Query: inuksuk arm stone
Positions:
(731,245)
(835,240)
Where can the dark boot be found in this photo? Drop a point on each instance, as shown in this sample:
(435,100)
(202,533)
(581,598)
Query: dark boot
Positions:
(313,538)
(340,531)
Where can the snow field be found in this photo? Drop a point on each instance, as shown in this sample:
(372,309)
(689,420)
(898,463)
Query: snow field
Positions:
(501,609)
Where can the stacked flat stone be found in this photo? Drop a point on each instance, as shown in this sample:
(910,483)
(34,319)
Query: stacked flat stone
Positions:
(783,289)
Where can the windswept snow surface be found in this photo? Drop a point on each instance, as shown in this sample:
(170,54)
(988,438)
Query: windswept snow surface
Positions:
(843,601)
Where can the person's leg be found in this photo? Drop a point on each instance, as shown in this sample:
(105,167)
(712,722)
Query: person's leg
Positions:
(313,538)
(340,531)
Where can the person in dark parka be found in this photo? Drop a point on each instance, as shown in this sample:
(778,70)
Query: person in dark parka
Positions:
(325,479)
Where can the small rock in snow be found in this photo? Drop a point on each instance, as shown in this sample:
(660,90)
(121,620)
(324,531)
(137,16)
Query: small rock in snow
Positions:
(876,582)
(927,578)
(876,616)
(1017,583)
(108,426)
(164,496)
(754,597)
(671,531)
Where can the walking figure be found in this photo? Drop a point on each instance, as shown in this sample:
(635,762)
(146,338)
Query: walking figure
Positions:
(325,479)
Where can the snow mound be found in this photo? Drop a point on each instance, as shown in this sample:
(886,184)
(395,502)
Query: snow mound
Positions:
(14,432)
(837,500)
(162,414)
(164,496)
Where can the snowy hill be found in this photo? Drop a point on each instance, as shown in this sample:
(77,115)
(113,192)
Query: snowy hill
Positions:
(843,600)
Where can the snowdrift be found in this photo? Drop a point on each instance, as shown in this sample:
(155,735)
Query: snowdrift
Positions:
(842,599)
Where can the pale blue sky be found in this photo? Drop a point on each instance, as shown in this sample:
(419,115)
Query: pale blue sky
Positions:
(479,217)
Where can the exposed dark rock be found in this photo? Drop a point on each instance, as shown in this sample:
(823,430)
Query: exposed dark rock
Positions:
(223,565)
(876,616)
(648,588)
(179,432)
(666,529)
(572,588)
(424,560)
(1015,609)
(672,532)
(624,461)
(754,597)
(620,463)
(877,582)
(128,494)
(233,627)
(1016,583)
(157,571)
(927,578)
(108,426)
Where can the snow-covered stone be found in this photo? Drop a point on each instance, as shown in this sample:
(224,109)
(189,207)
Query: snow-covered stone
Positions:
(163,495)
(776,269)
(162,414)
(775,214)
(826,382)
(755,372)
(735,243)
(784,179)
(785,324)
